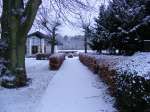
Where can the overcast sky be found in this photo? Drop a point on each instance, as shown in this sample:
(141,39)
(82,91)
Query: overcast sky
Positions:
(74,29)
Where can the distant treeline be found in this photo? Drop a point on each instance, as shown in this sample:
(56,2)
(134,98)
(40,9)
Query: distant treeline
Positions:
(72,43)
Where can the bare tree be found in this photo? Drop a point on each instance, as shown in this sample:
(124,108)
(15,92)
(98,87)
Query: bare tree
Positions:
(50,22)
(85,21)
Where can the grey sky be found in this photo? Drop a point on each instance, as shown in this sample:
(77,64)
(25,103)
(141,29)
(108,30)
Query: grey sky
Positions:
(69,29)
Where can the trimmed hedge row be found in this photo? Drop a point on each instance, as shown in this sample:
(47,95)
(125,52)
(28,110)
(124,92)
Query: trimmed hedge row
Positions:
(100,67)
(42,56)
(132,92)
(55,61)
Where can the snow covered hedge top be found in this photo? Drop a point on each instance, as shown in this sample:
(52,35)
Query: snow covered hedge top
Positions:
(57,55)
(138,64)
(56,60)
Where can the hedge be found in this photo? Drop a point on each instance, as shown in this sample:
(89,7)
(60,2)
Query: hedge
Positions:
(132,92)
(55,61)
(42,56)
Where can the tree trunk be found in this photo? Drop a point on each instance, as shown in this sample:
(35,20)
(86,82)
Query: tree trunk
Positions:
(86,37)
(85,44)
(53,41)
(52,48)
(15,26)
(21,46)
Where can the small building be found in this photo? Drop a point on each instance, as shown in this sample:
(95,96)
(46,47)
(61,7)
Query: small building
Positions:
(36,43)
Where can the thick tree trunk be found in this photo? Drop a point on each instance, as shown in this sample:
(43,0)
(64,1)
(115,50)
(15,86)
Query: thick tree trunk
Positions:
(16,22)
(9,30)
(21,46)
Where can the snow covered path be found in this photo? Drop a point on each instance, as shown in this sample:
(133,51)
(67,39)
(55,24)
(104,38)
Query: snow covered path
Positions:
(76,89)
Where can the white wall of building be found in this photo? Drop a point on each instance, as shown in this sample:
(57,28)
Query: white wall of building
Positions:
(43,46)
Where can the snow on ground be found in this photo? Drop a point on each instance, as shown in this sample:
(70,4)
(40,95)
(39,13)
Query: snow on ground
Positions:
(76,89)
(77,51)
(72,89)
(26,99)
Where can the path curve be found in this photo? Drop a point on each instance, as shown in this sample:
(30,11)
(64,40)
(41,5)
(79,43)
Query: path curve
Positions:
(76,89)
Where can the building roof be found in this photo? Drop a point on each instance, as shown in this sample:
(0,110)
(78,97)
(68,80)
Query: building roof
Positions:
(41,35)
(38,34)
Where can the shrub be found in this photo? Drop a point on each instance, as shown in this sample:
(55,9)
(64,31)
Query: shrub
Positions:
(42,56)
(132,92)
(89,61)
(70,56)
(55,61)
(109,76)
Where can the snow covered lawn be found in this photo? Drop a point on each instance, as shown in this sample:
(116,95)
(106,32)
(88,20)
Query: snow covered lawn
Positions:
(76,89)
(26,99)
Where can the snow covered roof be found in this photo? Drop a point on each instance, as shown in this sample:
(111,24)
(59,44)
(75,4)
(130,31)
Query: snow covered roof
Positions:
(38,34)
(41,35)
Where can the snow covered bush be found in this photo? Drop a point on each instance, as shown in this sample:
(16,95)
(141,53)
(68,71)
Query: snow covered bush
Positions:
(109,77)
(100,67)
(89,61)
(132,90)
(55,61)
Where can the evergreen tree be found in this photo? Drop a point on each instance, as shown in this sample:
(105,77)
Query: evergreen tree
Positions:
(123,25)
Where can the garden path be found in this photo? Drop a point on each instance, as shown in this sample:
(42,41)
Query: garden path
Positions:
(74,88)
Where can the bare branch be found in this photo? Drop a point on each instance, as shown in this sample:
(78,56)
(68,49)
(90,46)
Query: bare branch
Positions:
(30,13)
